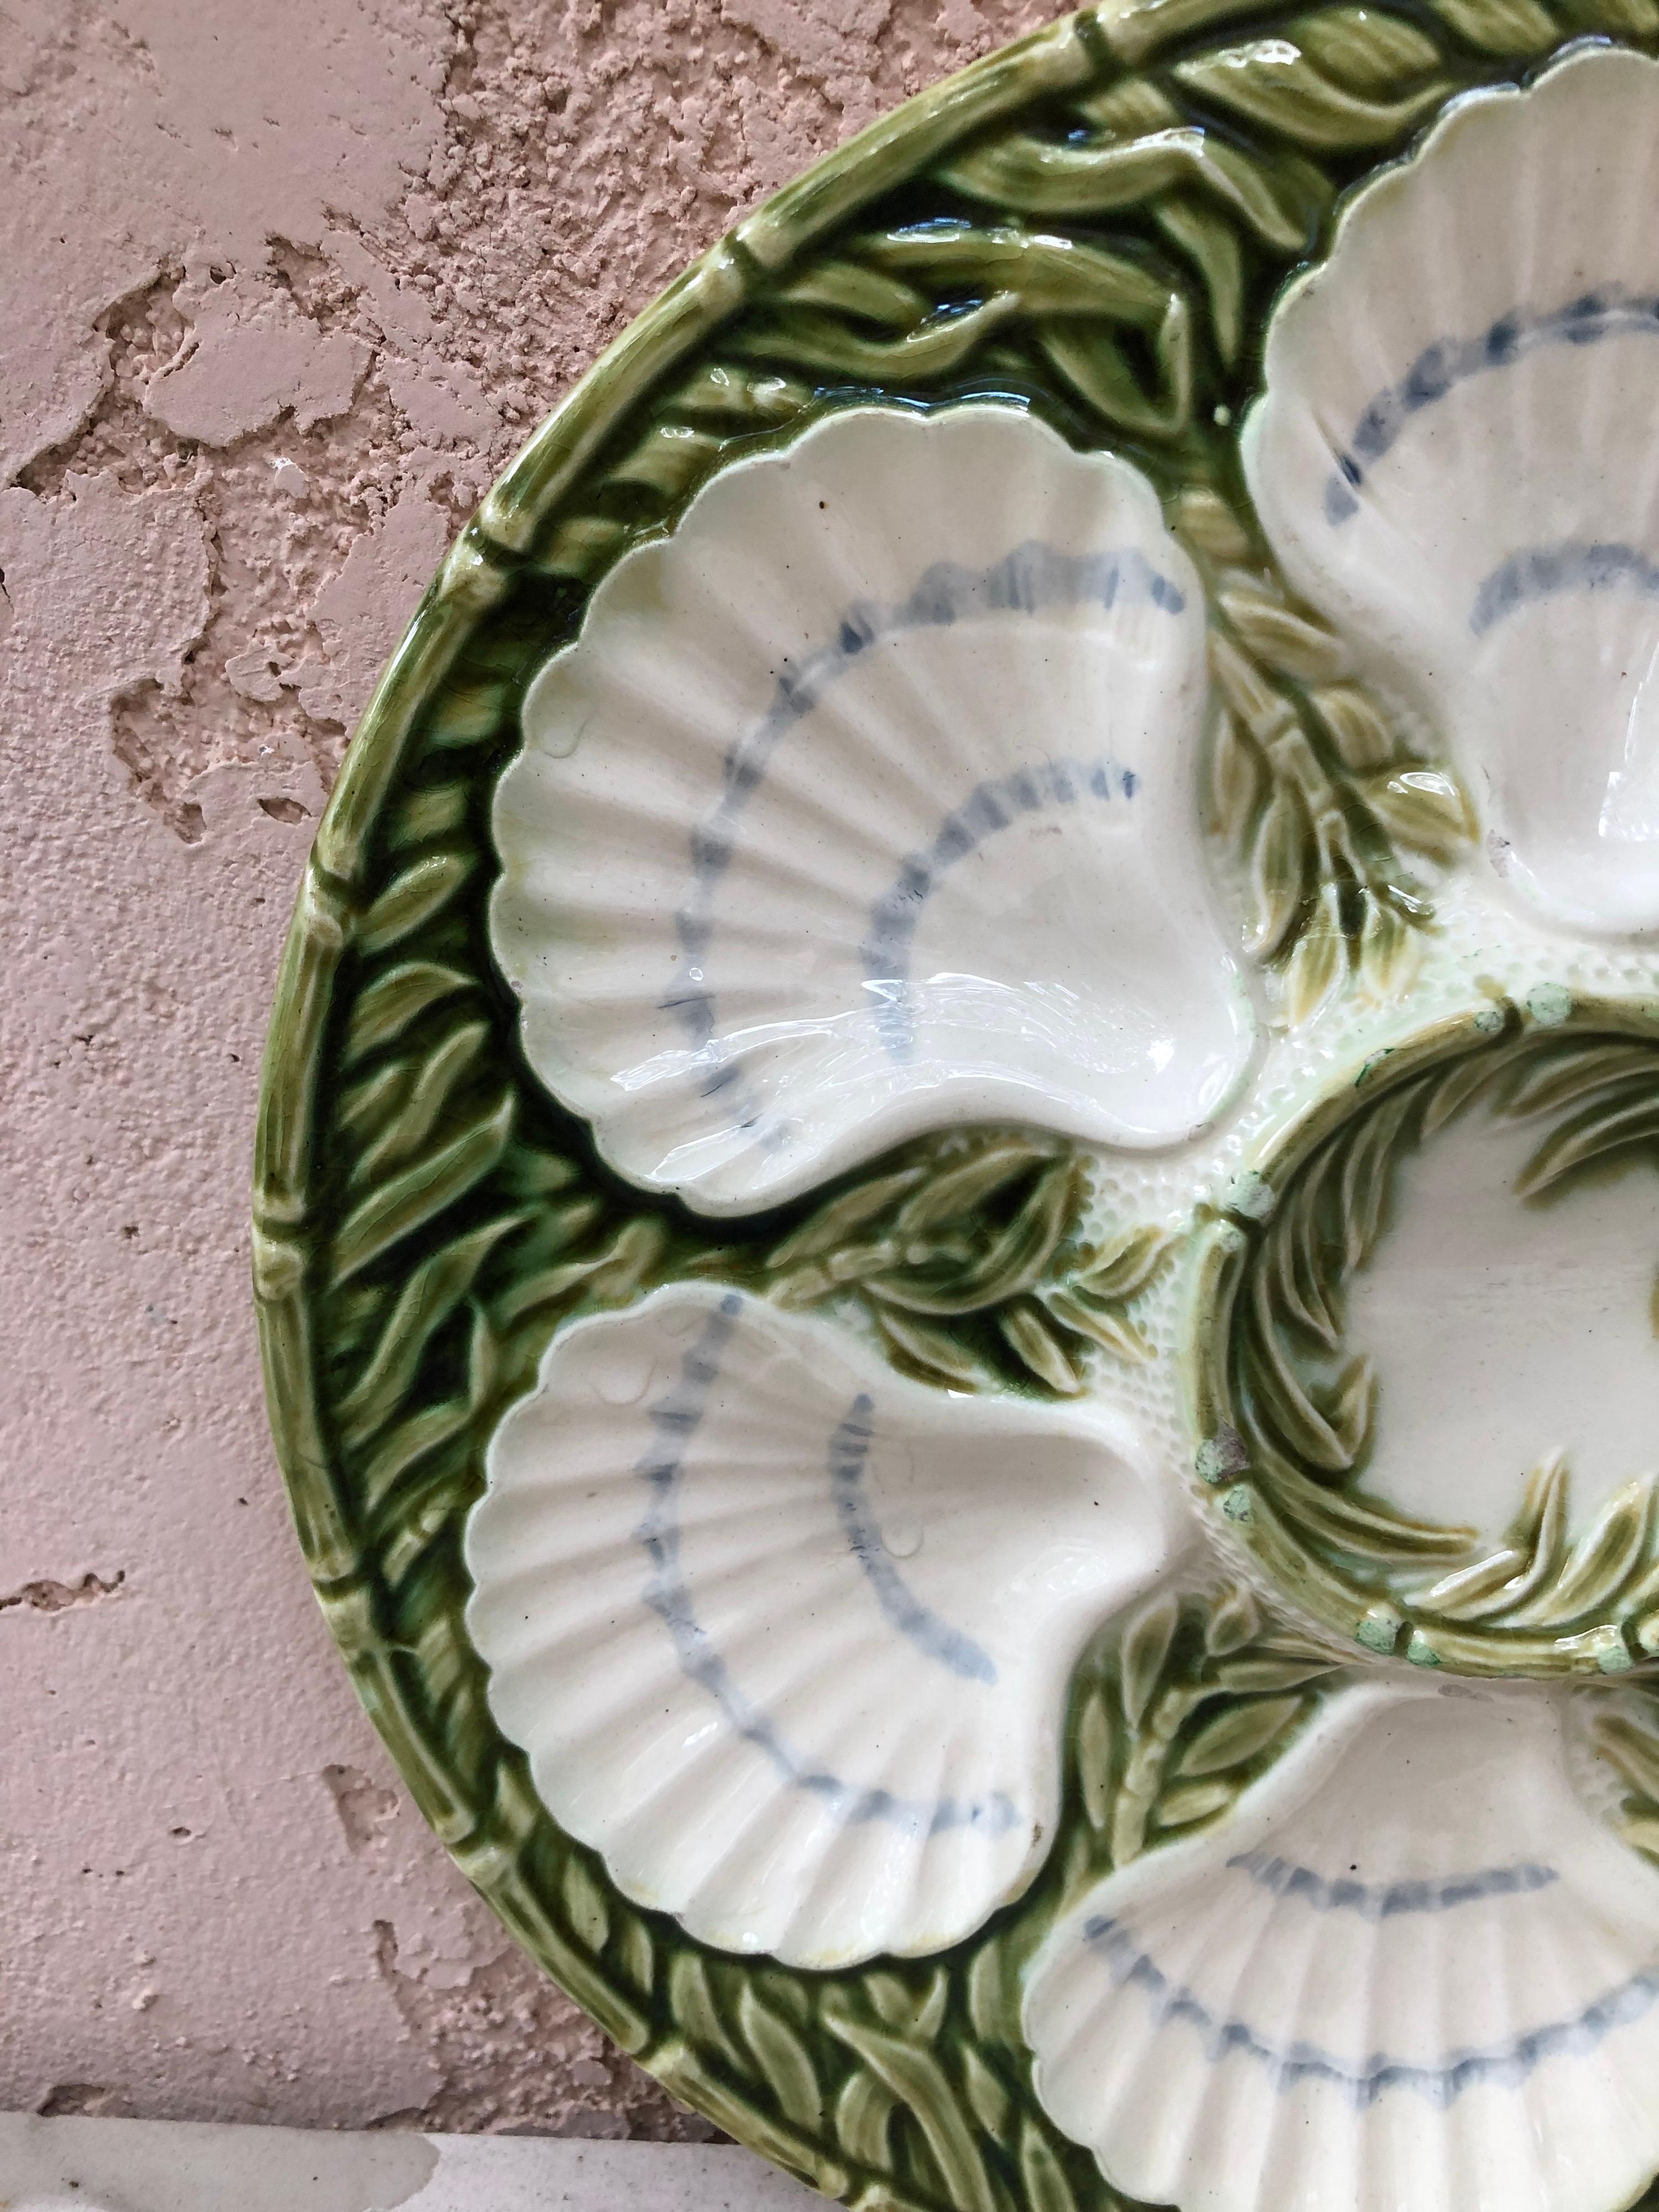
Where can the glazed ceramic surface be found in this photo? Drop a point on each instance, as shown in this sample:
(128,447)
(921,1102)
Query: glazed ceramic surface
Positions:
(956,1202)
(919,698)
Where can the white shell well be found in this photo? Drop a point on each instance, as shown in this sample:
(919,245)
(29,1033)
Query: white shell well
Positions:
(1413,1970)
(1454,458)
(865,803)
(787,1637)
(1502,1336)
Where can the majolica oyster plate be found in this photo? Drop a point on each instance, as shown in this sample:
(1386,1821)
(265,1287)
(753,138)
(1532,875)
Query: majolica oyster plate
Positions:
(956,1203)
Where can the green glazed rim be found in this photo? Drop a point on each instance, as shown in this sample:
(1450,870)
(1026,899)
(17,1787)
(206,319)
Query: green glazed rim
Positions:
(425,1216)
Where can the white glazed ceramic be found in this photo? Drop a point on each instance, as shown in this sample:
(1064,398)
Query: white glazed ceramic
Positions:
(1525,1333)
(1453,459)
(786,1636)
(866,804)
(1413,1969)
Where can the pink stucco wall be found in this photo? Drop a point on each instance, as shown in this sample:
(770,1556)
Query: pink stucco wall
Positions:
(284,282)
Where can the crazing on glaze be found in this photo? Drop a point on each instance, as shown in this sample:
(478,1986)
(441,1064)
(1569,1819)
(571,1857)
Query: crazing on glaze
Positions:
(993,1393)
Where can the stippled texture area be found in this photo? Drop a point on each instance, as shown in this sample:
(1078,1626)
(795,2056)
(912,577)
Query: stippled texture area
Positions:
(287,284)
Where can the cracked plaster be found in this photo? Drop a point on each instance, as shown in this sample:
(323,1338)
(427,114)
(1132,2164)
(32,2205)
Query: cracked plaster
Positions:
(288,283)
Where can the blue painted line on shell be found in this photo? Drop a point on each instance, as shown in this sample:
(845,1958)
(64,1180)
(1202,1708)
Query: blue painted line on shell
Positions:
(849,1455)
(675,1418)
(1389,1900)
(1505,2065)
(1547,572)
(1033,578)
(993,805)
(1607,312)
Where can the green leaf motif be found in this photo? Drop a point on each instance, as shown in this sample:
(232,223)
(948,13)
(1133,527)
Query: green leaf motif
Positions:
(782,2058)
(1321,847)
(1272,83)
(1094,1758)
(1045,2186)
(412,1200)
(395,998)
(411,901)
(914,2078)
(966,1255)
(1233,1738)
(584,1902)
(991,2102)
(1173,1718)
(1146,1647)
(864,2118)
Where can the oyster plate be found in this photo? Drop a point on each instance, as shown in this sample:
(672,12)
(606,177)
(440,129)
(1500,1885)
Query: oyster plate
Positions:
(954,1216)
